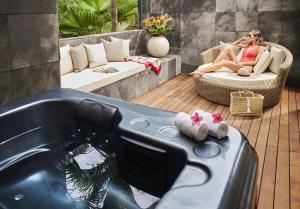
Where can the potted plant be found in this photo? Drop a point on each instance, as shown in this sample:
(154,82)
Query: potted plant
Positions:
(158,27)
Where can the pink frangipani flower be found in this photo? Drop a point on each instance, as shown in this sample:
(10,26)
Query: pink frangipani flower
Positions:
(217,118)
(196,119)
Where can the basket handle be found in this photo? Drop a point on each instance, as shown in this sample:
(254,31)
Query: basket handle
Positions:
(246,92)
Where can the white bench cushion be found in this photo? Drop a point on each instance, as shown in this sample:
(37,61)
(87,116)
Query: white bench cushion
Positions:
(87,80)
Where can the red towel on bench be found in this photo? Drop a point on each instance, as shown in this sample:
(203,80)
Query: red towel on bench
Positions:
(149,62)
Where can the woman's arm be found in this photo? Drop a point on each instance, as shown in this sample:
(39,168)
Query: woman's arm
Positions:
(237,42)
(252,63)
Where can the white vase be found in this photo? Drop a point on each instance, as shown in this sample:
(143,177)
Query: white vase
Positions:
(158,46)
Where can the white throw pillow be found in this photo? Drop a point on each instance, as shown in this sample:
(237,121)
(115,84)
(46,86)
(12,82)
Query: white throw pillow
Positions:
(126,45)
(234,48)
(66,65)
(114,50)
(263,63)
(277,59)
(96,55)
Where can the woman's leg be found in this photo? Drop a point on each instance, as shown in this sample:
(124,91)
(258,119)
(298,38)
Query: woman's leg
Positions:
(232,55)
(214,67)
(225,54)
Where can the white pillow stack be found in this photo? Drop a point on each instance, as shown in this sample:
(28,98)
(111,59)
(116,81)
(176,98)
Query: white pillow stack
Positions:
(93,55)
(278,58)
(66,65)
(126,45)
(263,63)
(114,50)
(96,55)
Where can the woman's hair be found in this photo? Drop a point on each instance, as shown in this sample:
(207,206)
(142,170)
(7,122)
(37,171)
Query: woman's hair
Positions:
(257,34)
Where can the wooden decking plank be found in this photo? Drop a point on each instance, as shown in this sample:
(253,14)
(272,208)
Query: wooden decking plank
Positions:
(171,94)
(187,98)
(191,105)
(282,186)
(298,105)
(245,127)
(219,109)
(172,102)
(293,123)
(254,129)
(267,187)
(238,121)
(261,142)
(295,180)
(200,105)
(274,126)
(186,104)
(160,90)
(212,108)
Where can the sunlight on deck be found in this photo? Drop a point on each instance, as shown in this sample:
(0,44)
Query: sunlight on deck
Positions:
(275,137)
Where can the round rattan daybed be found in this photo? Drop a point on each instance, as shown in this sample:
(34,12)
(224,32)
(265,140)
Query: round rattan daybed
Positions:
(220,93)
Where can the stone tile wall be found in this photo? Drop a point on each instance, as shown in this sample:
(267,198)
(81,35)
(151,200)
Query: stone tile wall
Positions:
(29,61)
(201,24)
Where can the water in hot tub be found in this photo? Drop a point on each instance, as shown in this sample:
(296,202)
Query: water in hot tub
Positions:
(92,182)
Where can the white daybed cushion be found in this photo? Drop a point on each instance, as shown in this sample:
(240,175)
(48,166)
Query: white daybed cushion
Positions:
(277,59)
(66,65)
(263,63)
(227,77)
(96,54)
(87,80)
(126,44)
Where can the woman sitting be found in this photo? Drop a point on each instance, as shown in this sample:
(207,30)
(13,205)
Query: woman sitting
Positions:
(252,51)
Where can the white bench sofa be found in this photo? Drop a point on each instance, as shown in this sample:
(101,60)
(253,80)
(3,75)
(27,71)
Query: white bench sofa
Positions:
(89,81)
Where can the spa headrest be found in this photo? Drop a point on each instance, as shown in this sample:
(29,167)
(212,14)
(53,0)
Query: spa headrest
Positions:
(96,114)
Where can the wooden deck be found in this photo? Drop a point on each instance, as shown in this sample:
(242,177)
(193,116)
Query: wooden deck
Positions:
(275,137)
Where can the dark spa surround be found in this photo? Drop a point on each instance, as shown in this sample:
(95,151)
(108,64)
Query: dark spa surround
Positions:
(151,154)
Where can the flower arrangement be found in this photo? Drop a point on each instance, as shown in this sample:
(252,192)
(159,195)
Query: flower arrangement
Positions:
(158,26)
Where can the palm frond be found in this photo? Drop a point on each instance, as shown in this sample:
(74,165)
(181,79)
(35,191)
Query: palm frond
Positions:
(95,5)
(127,8)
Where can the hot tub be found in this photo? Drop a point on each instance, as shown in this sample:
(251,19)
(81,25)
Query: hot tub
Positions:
(69,149)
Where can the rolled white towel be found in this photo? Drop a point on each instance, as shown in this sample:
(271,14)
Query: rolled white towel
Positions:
(216,126)
(198,130)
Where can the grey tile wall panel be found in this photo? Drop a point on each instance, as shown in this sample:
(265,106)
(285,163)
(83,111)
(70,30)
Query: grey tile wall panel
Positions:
(32,7)
(3,6)
(32,80)
(225,5)
(5,87)
(33,40)
(225,21)
(4,44)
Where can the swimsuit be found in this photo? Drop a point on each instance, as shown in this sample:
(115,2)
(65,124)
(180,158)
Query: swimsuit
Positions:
(249,54)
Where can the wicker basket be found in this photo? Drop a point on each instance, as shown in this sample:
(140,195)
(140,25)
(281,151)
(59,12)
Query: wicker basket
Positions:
(246,103)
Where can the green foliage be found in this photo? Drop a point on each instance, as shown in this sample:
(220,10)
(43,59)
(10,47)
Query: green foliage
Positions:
(84,17)
(158,31)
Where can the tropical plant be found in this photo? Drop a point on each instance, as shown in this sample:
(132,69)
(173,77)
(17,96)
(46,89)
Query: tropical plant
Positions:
(158,26)
(83,17)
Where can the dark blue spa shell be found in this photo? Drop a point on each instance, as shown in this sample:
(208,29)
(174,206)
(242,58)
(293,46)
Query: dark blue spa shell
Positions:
(43,137)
